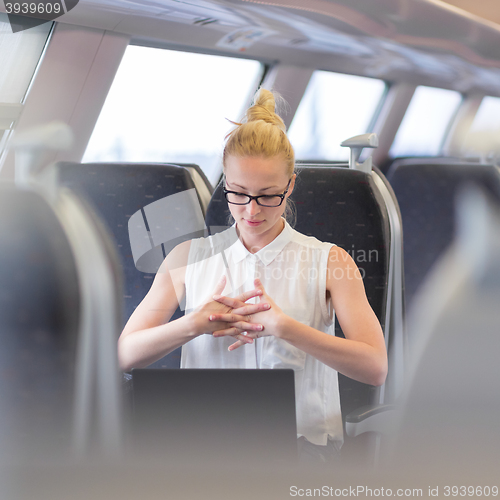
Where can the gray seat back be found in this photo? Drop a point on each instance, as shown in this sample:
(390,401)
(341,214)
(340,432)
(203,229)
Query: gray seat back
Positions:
(345,207)
(60,320)
(449,426)
(426,192)
(128,197)
(39,325)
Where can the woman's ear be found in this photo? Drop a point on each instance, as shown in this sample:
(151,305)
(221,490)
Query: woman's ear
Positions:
(292,184)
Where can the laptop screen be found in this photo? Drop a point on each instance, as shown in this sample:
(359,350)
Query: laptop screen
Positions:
(215,414)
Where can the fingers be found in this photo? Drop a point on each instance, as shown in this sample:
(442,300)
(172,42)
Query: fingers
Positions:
(234,346)
(242,341)
(220,285)
(258,285)
(248,295)
(238,301)
(244,326)
(231,302)
(237,321)
(236,333)
(249,309)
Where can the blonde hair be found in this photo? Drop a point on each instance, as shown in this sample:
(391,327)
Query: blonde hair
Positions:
(262,133)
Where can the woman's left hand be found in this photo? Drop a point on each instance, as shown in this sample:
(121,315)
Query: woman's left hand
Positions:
(270,319)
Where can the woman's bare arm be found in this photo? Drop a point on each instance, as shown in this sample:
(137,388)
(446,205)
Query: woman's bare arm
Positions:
(362,354)
(148,334)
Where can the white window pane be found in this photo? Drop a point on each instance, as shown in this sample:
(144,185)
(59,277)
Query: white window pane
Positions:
(334,108)
(483,138)
(487,116)
(425,123)
(19,56)
(170,106)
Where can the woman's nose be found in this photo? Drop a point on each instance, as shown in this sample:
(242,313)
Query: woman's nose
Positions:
(253,207)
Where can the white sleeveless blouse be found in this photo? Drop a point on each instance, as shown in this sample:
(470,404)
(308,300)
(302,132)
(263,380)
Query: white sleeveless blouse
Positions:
(293,270)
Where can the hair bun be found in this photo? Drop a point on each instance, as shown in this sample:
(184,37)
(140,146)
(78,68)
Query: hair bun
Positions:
(264,108)
(262,133)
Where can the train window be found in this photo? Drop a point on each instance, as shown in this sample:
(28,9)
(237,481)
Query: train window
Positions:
(171,106)
(425,123)
(488,115)
(334,107)
(483,138)
(19,56)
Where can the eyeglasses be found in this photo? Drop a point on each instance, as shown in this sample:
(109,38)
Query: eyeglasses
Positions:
(264,200)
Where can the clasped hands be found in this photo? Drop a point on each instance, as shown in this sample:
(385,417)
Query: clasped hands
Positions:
(233,316)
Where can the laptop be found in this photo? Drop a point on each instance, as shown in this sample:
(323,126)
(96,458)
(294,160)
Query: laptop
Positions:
(220,415)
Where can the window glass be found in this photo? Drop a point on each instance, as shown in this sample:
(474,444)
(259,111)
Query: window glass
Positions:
(170,106)
(483,138)
(487,116)
(19,56)
(425,123)
(334,108)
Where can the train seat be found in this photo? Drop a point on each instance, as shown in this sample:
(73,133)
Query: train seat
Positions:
(59,320)
(346,207)
(39,311)
(448,428)
(426,191)
(134,195)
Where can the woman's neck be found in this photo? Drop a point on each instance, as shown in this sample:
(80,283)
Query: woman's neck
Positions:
(254,243)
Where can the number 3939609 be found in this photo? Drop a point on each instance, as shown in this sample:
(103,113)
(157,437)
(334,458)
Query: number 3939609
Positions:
(40,7)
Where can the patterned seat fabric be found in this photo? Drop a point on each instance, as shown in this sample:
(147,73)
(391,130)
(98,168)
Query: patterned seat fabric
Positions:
(39,322)
(117,191)
(426,192)
(341,206)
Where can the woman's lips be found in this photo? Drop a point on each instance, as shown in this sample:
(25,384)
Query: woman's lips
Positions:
(254,223)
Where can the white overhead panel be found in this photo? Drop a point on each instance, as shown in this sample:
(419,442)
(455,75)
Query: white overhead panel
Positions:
(418,41)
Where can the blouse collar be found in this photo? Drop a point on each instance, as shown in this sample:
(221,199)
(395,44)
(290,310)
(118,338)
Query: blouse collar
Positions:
(266,254)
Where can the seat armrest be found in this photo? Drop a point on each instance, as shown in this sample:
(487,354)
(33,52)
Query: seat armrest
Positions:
(371,418)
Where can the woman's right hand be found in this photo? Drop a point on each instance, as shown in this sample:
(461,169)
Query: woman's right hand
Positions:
(239,313)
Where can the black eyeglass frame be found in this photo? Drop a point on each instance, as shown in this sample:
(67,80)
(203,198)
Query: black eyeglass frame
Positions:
(256,198)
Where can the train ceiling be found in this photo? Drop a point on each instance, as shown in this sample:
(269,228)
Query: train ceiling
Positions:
(422,41)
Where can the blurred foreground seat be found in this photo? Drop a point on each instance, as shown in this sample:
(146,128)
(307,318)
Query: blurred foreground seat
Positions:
(448,427)
(39,324)
(59,320)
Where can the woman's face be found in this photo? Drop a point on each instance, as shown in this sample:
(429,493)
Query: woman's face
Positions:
(257,225)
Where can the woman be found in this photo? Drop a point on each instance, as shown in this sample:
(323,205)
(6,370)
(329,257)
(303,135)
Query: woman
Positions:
(262,295)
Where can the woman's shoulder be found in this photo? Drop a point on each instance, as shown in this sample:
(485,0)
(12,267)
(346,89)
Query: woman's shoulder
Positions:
(338,254)
(341,262)
(177,257)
